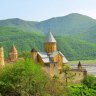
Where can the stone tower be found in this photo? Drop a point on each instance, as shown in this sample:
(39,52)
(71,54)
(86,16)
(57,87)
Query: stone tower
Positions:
(50,44)
(1,57)
(34,55)
(79,65)
(13,55)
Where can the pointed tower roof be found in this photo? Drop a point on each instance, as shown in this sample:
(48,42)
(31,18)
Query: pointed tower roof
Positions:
(13,49)
(2,51)
(33,50)
(79,65)
(50,38)
(1,47)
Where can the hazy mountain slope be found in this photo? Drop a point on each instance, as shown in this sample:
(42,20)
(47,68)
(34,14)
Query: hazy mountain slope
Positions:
(76,49)
(71,24)
(18,23)
(75,25)
(11,35)
(66,25)
(89,35)
(72,48)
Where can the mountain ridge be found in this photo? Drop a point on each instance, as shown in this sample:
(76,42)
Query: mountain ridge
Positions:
(72,24)
(50,18)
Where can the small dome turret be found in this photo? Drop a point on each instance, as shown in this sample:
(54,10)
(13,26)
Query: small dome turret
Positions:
(33,50)
(13,54)
(79,65)
(13,49)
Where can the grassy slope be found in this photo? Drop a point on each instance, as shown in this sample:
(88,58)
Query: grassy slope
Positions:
(18,23)
(72,48)
(72,24)
(23,40)
(76,49)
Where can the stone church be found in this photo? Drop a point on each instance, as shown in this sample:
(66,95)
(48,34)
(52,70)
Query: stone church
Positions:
(53,60)
(50,56)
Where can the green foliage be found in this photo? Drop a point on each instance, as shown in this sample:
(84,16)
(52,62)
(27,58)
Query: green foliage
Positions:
(68,77)
(25,78)
(87,88)
(75,49)
(75,35)
(81,91)
(72,48)
(24,41)
(90,81)
(22,77)
(18,23)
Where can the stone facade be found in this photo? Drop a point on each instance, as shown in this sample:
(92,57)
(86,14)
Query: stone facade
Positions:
(50,47)
(50,54)
(2,63)
(78,73)
(13,55)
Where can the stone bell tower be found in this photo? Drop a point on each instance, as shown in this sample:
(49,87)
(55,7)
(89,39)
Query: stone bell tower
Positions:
(1,57)
(13,55)
(50,44)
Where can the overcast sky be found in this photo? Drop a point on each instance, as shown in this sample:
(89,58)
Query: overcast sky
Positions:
(38,10)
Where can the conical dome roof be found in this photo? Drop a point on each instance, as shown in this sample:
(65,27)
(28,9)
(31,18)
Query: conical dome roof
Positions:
(79,65)
(1,51)
(50,38)
(33,50)
(13,49)
(1,48)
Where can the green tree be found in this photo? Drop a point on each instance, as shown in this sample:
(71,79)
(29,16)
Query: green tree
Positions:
(90,81)
(24,77)
(67,73)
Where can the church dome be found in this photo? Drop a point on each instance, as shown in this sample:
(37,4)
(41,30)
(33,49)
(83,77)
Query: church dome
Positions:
(13,49)
(50,38)
(33,50)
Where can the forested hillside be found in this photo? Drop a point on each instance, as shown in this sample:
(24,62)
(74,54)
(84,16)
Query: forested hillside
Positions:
(75,35)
